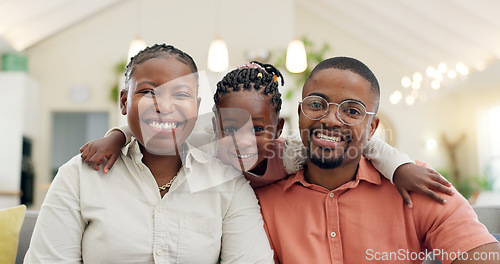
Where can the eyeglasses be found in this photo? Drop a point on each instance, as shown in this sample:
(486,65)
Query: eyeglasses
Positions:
(349,112)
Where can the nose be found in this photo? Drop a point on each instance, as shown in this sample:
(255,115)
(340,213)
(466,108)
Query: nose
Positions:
(331,119)
(163,105)
(245,139)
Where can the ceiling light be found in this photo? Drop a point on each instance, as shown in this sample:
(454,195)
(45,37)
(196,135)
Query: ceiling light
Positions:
(396,96)
(417,77)
(406,82)
(218,58)
(296,57)
(435,84)
(135,46)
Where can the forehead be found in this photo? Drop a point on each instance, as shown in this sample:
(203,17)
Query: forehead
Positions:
(337,85)
(164,69)
(253,102)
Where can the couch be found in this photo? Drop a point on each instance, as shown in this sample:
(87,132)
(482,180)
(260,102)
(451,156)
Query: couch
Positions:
(489,216)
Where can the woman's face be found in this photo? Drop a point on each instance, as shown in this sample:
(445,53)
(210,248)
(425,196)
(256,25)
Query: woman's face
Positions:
(161,104)
(246,125)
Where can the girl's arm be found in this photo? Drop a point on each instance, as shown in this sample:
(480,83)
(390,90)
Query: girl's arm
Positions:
(107,149)
(404,173)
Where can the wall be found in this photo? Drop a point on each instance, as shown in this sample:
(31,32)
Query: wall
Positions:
(86,53)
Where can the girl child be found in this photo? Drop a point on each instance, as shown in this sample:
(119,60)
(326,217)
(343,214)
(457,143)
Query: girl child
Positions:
(250,92)
(156,205)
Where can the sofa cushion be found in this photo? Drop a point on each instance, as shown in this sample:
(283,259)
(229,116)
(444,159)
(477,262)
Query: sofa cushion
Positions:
(11,220)
(25,235)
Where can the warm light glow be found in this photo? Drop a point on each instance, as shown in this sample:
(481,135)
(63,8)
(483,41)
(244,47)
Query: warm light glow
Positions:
(442,67)
(296,57)
(438,76)
(452,74)
(431,143)
(416,85)
(435,84)
(462,68)
(218,58)
(395,97)
(406,82)
(417,77)
(135,46)
(430,72)
(410,100)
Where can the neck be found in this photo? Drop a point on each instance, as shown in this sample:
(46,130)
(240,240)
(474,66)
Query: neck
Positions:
(163,167)
(331,179)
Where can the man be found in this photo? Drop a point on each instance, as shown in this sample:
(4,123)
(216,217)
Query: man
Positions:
(339,209)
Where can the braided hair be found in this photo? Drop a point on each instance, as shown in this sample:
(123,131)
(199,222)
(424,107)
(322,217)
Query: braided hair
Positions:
(158,51)
(253,76)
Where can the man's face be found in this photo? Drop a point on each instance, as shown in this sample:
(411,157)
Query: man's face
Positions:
(330,142)
(161,104)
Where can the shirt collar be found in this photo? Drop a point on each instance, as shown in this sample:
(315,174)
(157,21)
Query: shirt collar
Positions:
(202,170)
(366,172)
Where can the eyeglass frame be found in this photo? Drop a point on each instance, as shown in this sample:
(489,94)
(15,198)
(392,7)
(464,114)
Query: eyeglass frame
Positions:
(337,112)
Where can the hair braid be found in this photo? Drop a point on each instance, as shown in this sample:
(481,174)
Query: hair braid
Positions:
(158,51)
(262,78)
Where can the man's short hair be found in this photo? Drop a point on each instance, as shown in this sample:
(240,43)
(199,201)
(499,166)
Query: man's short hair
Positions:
(353,65)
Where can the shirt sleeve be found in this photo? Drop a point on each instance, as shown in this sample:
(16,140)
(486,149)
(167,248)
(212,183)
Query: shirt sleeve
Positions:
(57,236)
(385,158)
(450,229)
(243,237)
(125,131)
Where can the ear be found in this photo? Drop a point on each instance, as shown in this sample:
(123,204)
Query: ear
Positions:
(279,127)
(214,126)
(123,101)
(373,126)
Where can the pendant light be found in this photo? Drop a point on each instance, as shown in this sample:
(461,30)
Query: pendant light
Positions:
(296,57)
(138,43)
(218,58)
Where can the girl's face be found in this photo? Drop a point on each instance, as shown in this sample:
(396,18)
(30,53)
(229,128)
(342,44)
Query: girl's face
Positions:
(161,104)
(246,125)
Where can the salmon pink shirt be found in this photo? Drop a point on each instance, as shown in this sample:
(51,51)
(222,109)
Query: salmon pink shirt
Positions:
(364,221)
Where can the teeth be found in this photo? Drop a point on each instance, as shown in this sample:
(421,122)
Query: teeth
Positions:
(328,138)
(244,156)
(163,125)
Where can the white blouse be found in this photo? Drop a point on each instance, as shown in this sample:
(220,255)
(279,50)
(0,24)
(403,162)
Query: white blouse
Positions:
(209,215)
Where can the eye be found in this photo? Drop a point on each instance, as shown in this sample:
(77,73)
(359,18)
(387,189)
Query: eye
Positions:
(258,129)
(229,130)
(352,110)
(182,95)
(148,93)
(315,104)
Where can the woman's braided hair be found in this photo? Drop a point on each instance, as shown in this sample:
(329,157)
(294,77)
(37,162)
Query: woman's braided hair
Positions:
(158,51)
(253,76)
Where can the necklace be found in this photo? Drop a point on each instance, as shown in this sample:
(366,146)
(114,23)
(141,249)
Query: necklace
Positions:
(168,184)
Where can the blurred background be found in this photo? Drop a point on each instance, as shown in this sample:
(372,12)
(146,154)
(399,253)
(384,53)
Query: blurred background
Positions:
(437,63)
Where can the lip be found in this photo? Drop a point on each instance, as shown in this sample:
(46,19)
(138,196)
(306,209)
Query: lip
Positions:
(329,138)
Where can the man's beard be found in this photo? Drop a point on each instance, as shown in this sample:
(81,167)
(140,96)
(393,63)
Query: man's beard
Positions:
(324,161)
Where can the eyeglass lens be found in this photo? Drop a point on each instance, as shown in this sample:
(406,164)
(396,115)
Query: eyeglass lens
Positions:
(349,112)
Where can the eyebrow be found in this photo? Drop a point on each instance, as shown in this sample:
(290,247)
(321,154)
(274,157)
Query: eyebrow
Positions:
(326,98)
